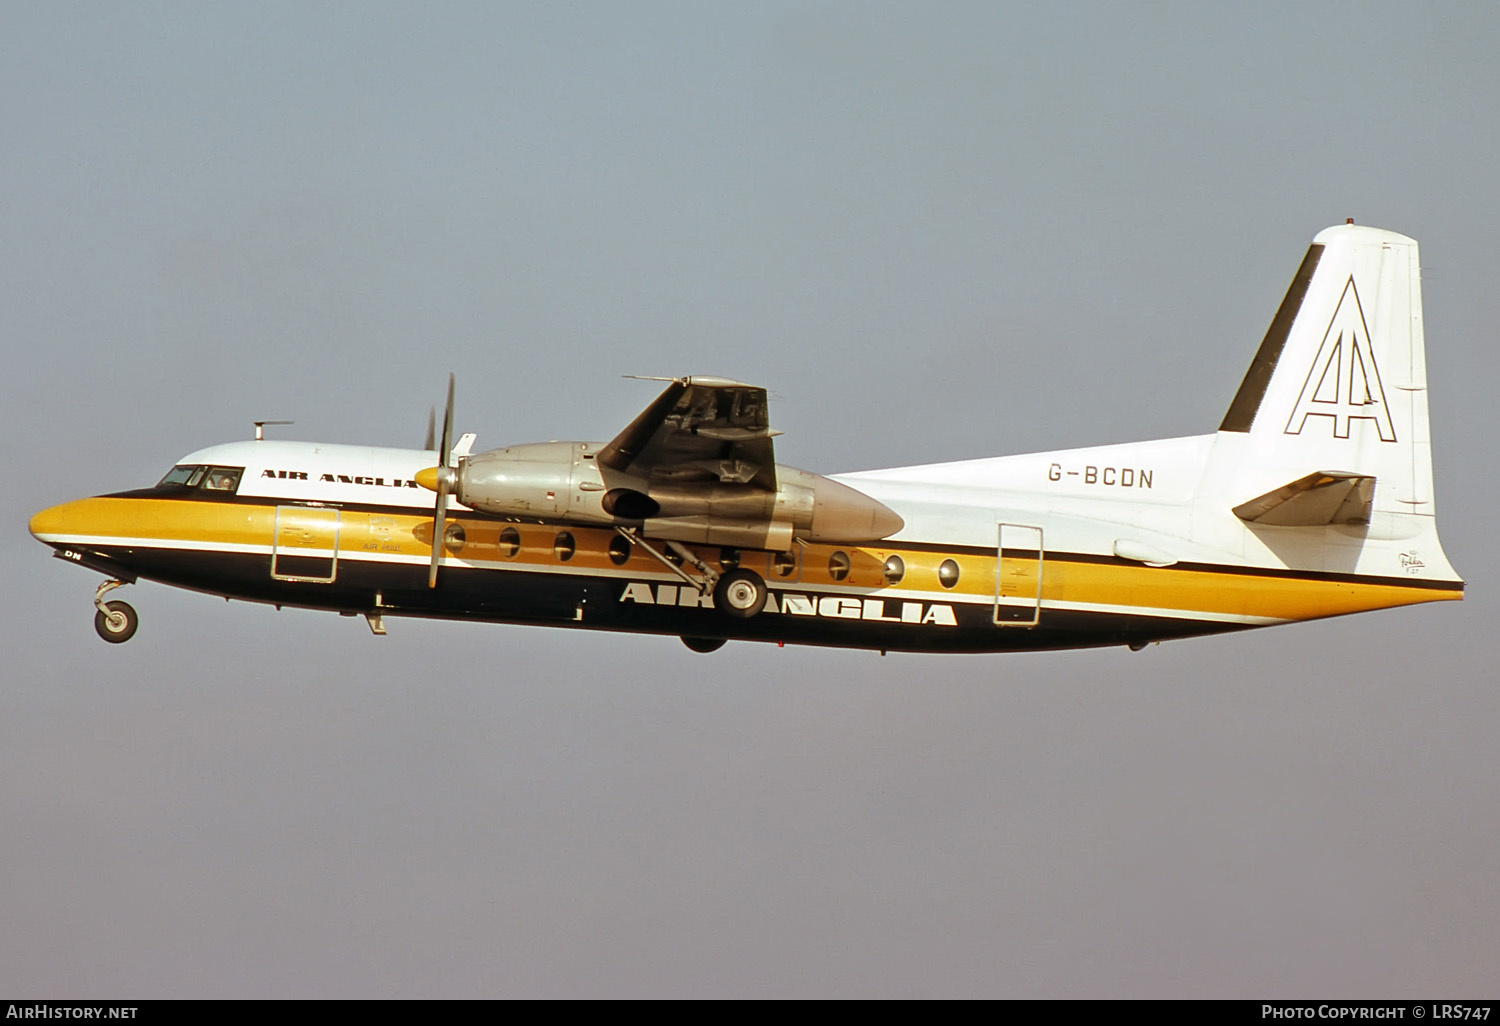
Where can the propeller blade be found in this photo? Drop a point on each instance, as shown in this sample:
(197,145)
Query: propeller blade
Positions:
(443,454)
(431,442)
(444,484)
(439,528)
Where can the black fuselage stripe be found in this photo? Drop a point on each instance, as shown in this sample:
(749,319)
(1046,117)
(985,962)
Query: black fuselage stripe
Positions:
(595,602)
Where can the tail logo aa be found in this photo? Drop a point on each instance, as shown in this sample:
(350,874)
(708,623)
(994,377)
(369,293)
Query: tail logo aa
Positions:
(1343,383)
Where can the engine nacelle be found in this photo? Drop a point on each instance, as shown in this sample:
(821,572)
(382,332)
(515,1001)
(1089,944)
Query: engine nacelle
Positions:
(542,481)
(561,481)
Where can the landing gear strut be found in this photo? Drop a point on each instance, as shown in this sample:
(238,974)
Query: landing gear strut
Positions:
(115,622)
(739,593)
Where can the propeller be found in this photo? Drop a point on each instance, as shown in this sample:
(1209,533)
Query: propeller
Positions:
(443,473)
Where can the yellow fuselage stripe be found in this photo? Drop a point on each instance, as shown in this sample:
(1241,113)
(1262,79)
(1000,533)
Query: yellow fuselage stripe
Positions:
(407,537)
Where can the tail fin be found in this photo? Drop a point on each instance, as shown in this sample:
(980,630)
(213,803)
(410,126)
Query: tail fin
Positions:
(1340,381)
(1330,423)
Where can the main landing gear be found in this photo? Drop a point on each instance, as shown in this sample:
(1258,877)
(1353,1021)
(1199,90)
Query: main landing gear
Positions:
(115,621)
(739,593)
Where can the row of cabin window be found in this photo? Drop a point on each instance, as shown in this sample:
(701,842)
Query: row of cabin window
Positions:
(893,570)
(783,563)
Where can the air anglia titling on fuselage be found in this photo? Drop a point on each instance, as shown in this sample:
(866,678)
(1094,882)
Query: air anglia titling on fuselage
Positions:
(1313,498)
(359,479)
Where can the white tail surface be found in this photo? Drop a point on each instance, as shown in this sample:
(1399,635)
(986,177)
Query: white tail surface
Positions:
(1329,427)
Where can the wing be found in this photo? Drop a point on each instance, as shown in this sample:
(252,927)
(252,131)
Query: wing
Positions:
(699,429)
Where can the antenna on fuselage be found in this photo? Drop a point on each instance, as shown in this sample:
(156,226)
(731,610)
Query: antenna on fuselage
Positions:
(260,427)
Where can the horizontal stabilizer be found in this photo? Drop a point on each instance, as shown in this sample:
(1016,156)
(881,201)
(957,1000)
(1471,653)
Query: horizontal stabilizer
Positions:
(1317,500)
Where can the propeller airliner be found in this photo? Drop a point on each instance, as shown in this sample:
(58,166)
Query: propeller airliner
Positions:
(1314,498)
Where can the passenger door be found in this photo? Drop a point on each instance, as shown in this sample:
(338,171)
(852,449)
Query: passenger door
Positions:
(1018,576)
(306,544)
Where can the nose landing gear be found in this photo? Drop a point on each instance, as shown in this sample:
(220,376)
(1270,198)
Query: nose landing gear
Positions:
(115,622)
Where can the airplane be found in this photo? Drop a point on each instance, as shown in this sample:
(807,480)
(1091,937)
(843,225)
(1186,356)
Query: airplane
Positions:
(1314,498)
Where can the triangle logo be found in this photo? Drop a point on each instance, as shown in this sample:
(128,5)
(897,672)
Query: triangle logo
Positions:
(1343,383)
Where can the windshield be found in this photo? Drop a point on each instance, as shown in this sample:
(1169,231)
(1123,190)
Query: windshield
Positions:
(212,479)
(183,475)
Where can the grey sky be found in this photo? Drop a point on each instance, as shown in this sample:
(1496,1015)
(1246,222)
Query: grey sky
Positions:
(934,231)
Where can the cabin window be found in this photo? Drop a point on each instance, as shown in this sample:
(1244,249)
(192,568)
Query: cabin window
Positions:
(510,542)
(838,565)
(948,573)
(223,479)
(563,546)
(185,475)
(454,538)
(619,550)
(895,569)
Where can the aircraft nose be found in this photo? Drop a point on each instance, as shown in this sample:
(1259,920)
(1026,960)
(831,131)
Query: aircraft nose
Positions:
(46,524)
(58,523)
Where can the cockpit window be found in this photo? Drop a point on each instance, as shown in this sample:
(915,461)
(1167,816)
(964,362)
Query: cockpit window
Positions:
(223,479)
(215,479)
(185,475)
